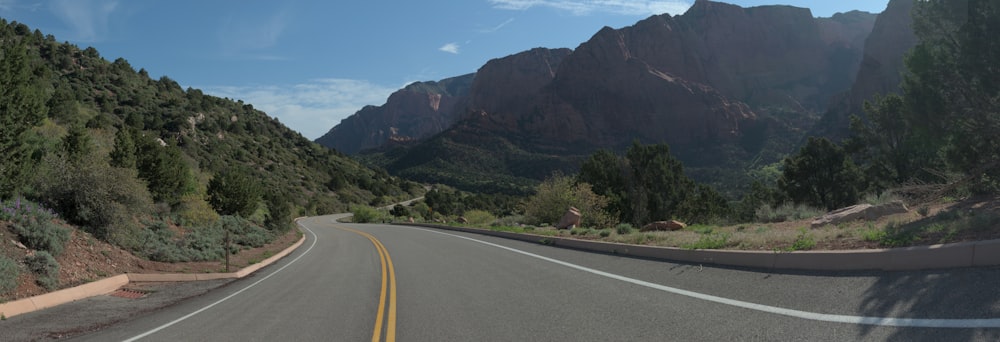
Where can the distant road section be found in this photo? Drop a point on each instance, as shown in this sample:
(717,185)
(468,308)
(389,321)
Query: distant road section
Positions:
(357,282)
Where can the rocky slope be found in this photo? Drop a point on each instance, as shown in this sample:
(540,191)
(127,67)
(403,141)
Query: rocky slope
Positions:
(716,83)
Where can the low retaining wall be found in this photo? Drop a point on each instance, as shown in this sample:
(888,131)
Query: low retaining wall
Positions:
(110,284)
(952,255)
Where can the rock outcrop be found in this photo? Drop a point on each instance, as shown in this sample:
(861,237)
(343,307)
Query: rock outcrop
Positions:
(863,211)
(570,219)
(415,112)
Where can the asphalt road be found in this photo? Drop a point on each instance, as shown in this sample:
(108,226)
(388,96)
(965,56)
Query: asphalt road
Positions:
(446,286)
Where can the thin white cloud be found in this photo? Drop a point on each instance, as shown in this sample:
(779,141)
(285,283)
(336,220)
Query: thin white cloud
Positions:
(498,27)
(450,48)
(586,7)
(240,37)
(87,19)
(311,108)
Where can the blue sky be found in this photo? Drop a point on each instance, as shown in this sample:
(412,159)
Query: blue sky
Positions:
(312,63)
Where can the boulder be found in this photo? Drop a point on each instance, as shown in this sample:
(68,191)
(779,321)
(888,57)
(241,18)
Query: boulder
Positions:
(664,226)
(570,219)
(462,219)
(860,211)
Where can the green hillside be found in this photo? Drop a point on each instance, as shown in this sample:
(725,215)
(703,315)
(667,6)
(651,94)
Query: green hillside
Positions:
(111,149)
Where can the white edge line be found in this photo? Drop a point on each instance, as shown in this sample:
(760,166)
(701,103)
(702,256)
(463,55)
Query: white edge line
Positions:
(313,244)
(879,321)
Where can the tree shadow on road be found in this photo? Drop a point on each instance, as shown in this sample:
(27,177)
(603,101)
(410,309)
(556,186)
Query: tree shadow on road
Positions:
(972,293)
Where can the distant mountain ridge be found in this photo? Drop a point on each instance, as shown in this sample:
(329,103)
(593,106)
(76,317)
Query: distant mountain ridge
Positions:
(728,88)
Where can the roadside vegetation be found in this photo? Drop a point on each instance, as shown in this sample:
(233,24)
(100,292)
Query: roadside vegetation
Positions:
(96,148)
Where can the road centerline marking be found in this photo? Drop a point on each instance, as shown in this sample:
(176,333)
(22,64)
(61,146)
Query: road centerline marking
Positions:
(849,319)
(388,278)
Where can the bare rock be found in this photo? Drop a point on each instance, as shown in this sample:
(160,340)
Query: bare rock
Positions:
(462,219)
(860,211)
(18,244)
(570,219)
(671,225)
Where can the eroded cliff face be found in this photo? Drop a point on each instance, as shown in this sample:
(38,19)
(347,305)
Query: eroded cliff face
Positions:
(415,112)
(881,69)
(687,79)
(691,79)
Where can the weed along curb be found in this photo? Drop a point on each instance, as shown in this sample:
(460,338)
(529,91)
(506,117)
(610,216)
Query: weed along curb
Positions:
(110,284)
(952,255)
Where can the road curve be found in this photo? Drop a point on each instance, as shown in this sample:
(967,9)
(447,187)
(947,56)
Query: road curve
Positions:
(465,287)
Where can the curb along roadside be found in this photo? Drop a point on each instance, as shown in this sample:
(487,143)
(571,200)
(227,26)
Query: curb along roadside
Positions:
(110,284)
(952,255)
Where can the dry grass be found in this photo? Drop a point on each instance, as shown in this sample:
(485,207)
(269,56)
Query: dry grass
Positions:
(925,224)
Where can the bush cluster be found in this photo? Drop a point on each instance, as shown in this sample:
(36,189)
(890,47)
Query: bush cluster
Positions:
(34,226)
(479,217)
(8,274)
(160,243)
(46,269)
(366,214)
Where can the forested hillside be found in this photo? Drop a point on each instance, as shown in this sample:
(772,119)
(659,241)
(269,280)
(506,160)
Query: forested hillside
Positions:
(148,165)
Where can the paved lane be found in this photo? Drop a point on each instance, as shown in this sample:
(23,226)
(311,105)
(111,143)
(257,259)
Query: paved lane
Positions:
(465,287)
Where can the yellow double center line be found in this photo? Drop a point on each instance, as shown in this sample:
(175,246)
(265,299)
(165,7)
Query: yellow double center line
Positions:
(388,273)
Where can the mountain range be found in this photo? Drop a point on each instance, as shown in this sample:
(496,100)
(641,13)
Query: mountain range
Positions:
(732,90)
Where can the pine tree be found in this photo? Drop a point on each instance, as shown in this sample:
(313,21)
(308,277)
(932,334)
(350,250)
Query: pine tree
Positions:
(22,106)
(820,175)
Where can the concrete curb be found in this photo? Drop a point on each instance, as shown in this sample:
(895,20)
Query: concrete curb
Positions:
(952,255)
(110,284)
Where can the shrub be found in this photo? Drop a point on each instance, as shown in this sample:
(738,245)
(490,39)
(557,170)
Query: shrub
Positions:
(42,235)
(244,233)
(8,274)
(884,197)
(710,241)
(605,232)
(159,243)
(34,226)
(194,210)
(279,213)
(46,269)
(400,211)
(624,228)
(365,214)
(102,198)
(787,212)
(479,217)
(509,221)
(803,241)
(556,194)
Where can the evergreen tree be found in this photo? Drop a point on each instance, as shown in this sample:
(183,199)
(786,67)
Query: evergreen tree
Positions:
(234,192)
(123,155)
(952,89)
(657,183)
(820,175)
(606,173)
(22,106)
(77,144)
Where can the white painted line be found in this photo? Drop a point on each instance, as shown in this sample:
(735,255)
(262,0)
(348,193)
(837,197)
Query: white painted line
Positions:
(313,244)
(880,321)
